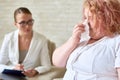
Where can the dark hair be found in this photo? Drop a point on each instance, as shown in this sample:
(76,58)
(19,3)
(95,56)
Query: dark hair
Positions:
(21,10)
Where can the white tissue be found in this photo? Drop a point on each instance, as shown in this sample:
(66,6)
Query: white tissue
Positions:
(85,35)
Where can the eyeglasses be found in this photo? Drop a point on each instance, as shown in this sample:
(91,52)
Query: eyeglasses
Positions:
(24,23)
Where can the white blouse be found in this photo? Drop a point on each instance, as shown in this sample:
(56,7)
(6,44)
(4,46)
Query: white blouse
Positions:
(96,61)
(37,56)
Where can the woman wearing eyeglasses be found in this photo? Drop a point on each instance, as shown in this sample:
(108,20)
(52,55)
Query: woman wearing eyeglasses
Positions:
(25,49)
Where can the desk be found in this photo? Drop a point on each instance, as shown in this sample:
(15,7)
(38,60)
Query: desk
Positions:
(11,77)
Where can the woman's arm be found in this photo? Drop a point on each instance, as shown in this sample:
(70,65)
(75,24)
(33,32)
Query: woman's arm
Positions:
(45,64)
(61,54)
(4,52)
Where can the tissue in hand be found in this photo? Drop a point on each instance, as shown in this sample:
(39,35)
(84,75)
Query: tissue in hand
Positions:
(85,35)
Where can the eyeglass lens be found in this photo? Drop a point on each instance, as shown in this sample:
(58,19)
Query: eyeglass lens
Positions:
(24,23)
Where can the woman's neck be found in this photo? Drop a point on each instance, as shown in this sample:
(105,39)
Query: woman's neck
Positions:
(24,41)
(91,40)
(27,36)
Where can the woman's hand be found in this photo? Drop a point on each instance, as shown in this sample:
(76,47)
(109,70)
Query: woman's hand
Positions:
(77,31)
(19,67)
(30,72)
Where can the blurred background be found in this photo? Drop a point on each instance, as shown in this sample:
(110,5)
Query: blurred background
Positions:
(53,18)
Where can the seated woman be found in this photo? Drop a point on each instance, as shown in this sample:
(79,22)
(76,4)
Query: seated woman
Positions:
(97,58)
(25,49)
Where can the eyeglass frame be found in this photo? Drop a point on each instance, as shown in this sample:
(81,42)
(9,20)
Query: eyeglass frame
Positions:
(24,23)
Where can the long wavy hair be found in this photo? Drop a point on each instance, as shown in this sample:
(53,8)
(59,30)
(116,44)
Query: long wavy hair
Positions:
(109,10)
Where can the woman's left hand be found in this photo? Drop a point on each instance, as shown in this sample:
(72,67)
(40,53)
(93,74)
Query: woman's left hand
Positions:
(30,72)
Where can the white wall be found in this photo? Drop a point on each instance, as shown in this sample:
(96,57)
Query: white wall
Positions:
(53,18)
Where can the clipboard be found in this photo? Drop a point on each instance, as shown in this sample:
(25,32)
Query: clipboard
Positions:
(13,72)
